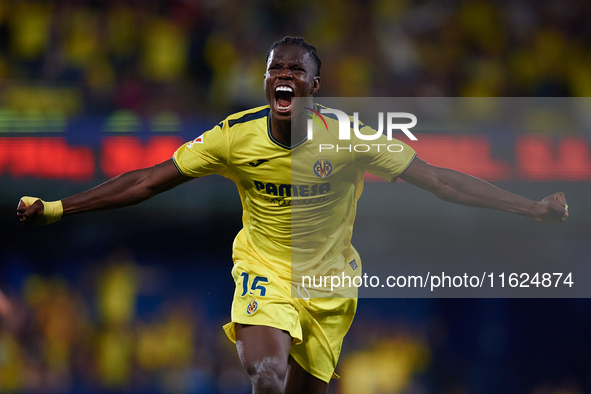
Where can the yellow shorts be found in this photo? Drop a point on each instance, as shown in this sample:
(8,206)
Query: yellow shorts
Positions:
(317,326)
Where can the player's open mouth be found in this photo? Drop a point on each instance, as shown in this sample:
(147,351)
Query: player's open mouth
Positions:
(283,96)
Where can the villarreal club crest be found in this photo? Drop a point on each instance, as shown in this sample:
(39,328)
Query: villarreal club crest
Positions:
(322,167)
(252,307)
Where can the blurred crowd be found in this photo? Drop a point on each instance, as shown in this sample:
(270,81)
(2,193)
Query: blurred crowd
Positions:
(121,325)
(88,333)
(207,57)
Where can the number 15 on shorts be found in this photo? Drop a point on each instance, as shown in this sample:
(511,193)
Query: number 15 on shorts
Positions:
(256,284)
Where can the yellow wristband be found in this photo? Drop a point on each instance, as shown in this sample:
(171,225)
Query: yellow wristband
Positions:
(52,210)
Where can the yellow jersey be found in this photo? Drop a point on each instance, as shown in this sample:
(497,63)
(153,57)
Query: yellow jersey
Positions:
(299,202)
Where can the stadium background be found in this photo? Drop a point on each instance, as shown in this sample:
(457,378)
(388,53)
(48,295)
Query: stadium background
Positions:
(133,300)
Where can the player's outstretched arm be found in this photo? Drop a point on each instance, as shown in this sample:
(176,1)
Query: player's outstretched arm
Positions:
(126,189)
(460,188)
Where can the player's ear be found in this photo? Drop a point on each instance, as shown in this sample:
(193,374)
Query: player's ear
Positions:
(315,85)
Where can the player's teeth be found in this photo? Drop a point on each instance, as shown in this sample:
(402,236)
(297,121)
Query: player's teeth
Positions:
(283,89)
(280,107)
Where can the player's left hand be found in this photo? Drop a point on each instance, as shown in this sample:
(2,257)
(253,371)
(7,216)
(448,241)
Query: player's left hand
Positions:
(552,209)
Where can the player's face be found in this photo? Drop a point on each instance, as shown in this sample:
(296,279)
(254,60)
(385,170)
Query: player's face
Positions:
(290,73)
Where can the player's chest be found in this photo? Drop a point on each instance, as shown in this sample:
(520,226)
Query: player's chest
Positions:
(284,166)
(260,162)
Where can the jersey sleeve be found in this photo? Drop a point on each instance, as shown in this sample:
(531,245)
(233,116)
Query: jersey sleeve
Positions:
(387,159)
(205,155)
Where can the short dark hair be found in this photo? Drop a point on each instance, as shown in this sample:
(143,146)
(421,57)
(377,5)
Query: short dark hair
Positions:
(298,42)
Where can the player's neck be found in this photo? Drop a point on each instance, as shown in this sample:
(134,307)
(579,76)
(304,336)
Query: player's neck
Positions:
(286,133)
(281,131)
